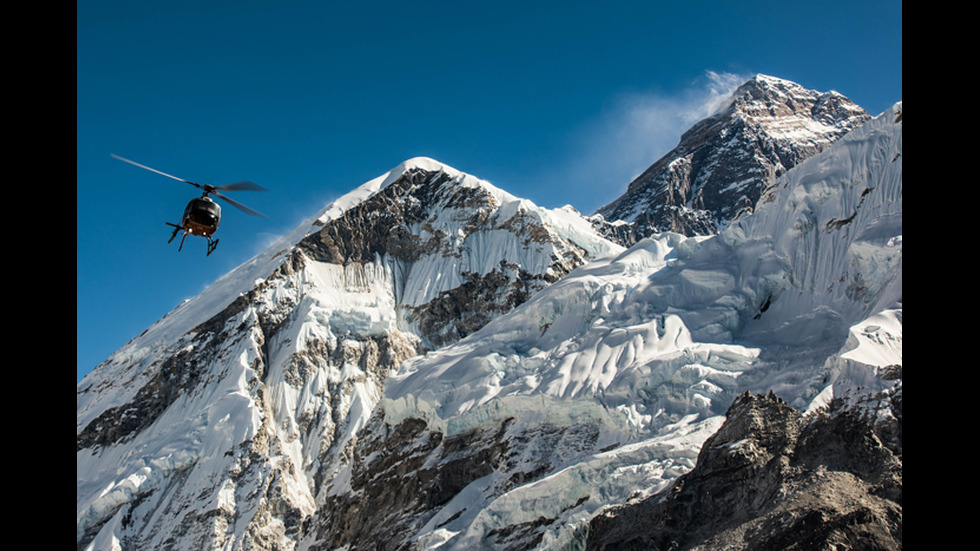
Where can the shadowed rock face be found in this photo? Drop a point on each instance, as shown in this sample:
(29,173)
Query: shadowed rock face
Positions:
(381,225)
(772,479)
(721,165)
(402,475)
(406,223)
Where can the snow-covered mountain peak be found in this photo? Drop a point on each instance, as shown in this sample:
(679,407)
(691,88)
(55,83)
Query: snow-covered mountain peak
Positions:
(721,164)
(424,163)
(789,111)
(291,349)
(450,178)
(354,197)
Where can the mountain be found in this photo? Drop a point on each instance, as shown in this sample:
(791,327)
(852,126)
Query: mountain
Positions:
(430,362)
(254,388)
(722,164)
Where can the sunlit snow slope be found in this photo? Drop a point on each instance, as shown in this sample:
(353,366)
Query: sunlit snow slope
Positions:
(804,298)
(712,316)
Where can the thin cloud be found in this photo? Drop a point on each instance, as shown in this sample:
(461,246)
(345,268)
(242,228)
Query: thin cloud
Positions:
(635,132)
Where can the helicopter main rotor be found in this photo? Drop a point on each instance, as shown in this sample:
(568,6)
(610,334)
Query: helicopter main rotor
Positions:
(208,189)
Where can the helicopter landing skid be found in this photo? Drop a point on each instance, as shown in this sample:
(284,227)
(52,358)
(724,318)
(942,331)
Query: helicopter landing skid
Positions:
(174,234)
(212,243)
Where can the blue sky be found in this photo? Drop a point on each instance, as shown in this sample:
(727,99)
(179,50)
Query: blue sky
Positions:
(557,102)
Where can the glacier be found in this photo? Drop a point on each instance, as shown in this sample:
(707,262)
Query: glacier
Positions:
(713,311)
(802,298)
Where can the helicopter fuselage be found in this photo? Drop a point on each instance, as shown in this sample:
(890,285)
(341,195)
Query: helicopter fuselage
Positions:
(201,217)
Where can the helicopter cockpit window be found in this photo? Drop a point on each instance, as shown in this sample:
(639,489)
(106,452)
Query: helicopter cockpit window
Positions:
(204,212)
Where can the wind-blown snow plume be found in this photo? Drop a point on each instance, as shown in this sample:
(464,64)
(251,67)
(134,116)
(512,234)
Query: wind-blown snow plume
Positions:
(718,170)
(638,126)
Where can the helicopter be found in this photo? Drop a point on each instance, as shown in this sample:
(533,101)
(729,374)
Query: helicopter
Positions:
(202,214)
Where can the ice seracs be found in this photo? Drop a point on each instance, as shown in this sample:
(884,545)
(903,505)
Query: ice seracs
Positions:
(663,336)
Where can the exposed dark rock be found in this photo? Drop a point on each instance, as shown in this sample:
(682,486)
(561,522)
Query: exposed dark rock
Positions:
(177,374)
(402,475)
(464,309)
(721,166)
(772,479)
(388,224)
(380,225)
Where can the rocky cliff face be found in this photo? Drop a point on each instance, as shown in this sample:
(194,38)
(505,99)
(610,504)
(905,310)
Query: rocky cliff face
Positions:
(773,479)
(402,477)
(718,170)
(495,255)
